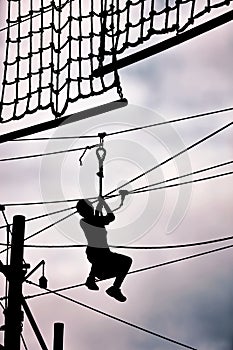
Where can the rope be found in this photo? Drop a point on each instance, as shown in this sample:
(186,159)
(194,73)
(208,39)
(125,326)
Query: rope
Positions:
(60,63)
(166,263)
(201,115)
(135,191)
(172,157)
(23,341)
(46,154)
(186,175)
(48,214)
(159,247)
(78,44)
(46,202)
(183,183)
(55,138)
(42,216)
(43,229)
(115,318)
(49,226)
(205,114)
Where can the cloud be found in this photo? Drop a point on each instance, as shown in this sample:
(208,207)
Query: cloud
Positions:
(195,75)
(189,301)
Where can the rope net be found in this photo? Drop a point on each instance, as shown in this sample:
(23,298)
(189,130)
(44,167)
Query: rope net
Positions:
(53,47)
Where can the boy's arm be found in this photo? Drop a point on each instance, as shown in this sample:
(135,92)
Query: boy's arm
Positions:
(110,216)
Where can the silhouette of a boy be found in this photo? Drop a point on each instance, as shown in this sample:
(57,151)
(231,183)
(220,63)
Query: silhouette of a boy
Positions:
(105,263)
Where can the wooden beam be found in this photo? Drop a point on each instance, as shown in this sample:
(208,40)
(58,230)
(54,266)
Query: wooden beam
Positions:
(164,45)
(91,112)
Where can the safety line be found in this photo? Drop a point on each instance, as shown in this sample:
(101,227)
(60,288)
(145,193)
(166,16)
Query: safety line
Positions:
(158,247)
(135,191)
(24,342)
(116,318)
(42,216)
(174,246)
(131,129)
(172,157)
(56,138)
(49,226)
(43,229)
(46,154)
(182,183)
(186,175)
(166,263)
(169,121)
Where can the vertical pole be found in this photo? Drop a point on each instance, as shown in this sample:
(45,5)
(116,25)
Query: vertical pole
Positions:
(101,172)
(34,325)
(13,313)
(58,336)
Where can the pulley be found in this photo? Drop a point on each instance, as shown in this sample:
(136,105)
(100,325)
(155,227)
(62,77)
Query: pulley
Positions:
(101,154)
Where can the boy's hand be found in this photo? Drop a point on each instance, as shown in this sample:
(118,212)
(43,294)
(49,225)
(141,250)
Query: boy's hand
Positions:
(101,199)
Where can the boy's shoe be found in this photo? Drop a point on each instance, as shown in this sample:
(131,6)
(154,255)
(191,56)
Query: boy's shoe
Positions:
(116,294)
(90,284)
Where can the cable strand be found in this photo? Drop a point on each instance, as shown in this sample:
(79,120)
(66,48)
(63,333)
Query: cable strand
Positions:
(116,318)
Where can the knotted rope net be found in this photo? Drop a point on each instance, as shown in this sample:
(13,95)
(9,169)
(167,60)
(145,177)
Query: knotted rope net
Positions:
(53,47)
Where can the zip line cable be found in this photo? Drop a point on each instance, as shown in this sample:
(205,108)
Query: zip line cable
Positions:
(46,154)
(174,246)
(186,175)
(131,129)
(47,202)
(116,318)
(26,19)
(139,176)
(135,191)
(42,216)
(48,214)
(183,259)
(49,226)
(44,229)
(23,341)
(169,121)
(42,10)
(56,138)
(182,183)
(166,263)
(158,247)
(172,157)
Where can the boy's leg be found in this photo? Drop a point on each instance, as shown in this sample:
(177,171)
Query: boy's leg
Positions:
(90,282)
(125,263)
(121,266)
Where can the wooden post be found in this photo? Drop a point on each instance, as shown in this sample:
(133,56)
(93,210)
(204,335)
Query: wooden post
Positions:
(58,336)
(13,313)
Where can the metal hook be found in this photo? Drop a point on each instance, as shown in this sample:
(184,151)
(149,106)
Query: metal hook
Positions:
(102,136)
(80,159)
(123,194)
(101,154)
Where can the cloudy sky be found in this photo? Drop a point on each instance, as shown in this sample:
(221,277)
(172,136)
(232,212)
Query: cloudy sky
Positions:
(191,301)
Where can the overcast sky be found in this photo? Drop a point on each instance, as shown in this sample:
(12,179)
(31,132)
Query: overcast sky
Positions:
(190,301)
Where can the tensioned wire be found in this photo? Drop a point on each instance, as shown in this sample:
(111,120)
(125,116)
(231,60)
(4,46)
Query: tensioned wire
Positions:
(193,145)
(138,128)
(116,318)
(166,263)
(137,190)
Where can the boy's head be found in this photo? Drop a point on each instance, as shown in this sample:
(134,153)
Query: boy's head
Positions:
(85,208)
